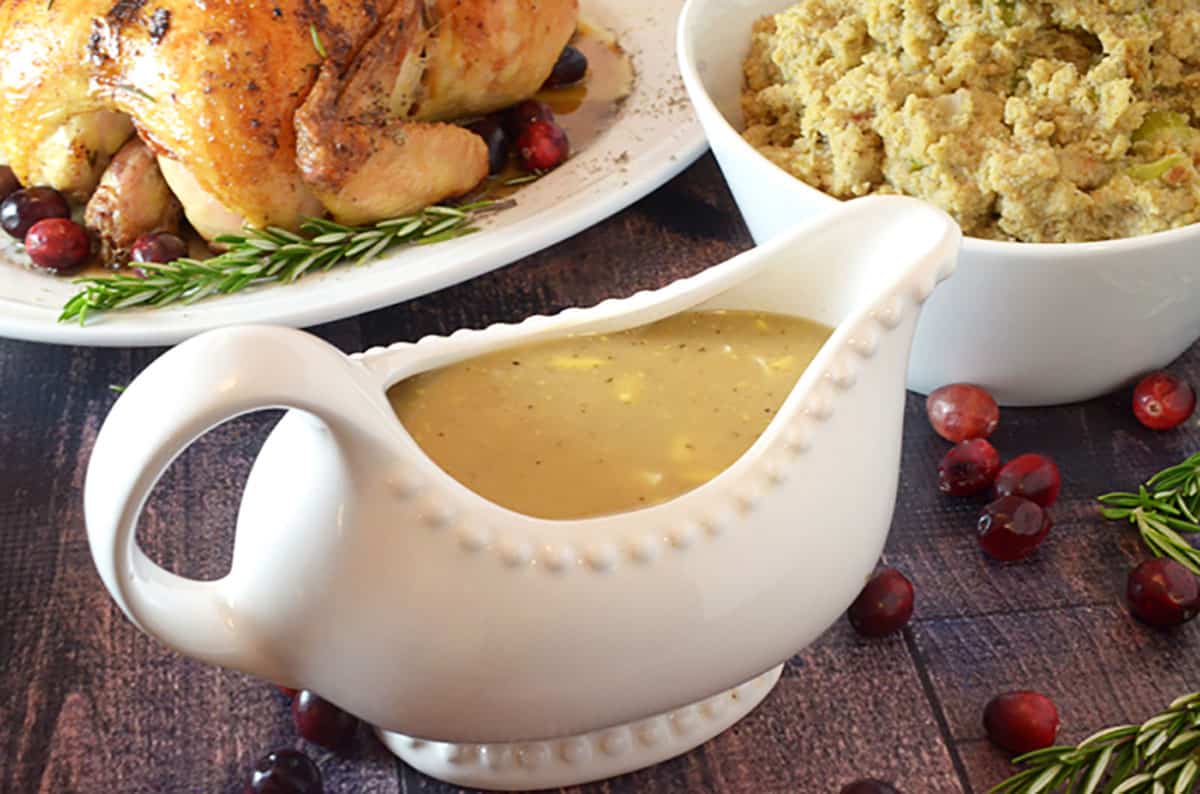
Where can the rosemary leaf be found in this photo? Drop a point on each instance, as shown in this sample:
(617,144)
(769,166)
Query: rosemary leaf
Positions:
(448,212)
(373,251)
(262,256)
(1187,776)
(291,237)
(407,229)
(522,180)
(1096,771)
(438,228)
(318,45)
(330,238)
(393,222)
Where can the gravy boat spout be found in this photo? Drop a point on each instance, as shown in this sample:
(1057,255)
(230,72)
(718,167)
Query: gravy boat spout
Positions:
(523,652)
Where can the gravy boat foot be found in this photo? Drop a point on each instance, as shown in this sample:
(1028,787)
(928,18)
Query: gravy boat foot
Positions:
(364,572)
(584,758)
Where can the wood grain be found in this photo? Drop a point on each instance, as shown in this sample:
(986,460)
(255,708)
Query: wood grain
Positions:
(88,704)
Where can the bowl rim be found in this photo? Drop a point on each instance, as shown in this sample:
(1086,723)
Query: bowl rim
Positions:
(707,110)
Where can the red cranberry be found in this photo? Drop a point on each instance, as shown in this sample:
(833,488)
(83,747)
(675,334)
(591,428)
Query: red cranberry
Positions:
(570,67)
(285,772)
(1162,401)
(961,411)
(1163,593)
(20,210)
(968,468)
(493,134)
(159,247)
(1012,527)
(520,116)
(883,606)
(1021,722)
(321,722)
(58,244)
(1033,476)
(8,182)
(871,786)
(287,691)
(542,146)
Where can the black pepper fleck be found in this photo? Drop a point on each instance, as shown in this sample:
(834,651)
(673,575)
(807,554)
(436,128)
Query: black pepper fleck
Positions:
(160,23)
(125,11)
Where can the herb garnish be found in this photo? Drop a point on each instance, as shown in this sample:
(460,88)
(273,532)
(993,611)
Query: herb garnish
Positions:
(1168,504)
(133,89)
(1160,756)
(262,256)
(522,180)
(318,45)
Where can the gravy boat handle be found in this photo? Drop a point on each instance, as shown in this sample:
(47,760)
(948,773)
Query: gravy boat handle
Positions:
(207,380)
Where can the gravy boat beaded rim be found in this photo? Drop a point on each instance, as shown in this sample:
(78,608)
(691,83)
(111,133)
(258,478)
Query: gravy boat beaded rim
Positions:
(364,572)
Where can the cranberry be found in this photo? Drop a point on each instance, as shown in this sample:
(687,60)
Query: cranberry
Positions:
(961,411)
(542,146)
(1033,476)
(20,210)
(285,772)
(8,182)
(493,134)
(520,116)
(1162,401)
(58,244)
(320,721)
(1021,722)
(159,247)
(884,605)
(287,691)
(871,786)
(570,67)
(1012,527)
(1163,593)
(968,468)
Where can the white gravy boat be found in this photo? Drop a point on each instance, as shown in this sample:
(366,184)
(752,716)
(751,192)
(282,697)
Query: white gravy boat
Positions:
(529,653)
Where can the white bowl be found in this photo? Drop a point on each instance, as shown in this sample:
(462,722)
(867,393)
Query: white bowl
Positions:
(1037,324)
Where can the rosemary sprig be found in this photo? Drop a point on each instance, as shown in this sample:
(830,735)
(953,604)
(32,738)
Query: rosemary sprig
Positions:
(1160,756)
(1167,505)
(262,256)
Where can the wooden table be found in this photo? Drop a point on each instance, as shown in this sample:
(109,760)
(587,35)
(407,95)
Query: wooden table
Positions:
(88,704)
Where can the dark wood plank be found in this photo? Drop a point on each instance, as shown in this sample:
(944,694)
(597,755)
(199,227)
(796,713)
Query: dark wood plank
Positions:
(1056,622)
(1096,663)
(88,704)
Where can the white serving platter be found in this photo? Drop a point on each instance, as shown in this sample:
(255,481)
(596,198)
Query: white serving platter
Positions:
(654,137)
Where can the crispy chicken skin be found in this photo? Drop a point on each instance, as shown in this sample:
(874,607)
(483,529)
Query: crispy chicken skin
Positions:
(220,88)
(488,55)
(353,135)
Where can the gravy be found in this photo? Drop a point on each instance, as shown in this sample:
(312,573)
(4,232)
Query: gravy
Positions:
(595,424)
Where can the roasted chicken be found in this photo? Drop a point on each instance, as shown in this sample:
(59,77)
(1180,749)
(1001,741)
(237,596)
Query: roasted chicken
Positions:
(264,112)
